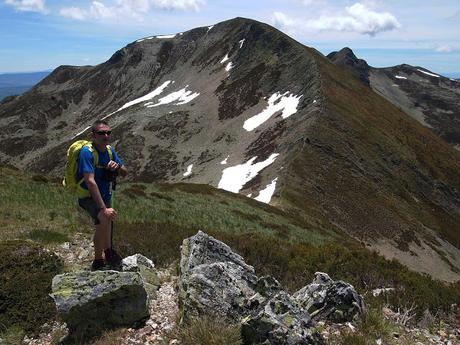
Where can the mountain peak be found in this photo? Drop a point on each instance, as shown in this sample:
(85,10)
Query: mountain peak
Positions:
(346,58)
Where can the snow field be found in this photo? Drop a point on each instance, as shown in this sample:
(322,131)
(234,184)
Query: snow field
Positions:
(235,177)
(286,102)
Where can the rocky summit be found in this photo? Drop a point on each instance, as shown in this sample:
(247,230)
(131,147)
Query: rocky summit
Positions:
(243,107)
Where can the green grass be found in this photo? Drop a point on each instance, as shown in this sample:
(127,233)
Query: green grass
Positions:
(154,219)
(29,203)
(203,207)
(207,331)
(26,271)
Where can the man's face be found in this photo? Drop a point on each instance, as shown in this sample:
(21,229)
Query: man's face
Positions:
(101,135)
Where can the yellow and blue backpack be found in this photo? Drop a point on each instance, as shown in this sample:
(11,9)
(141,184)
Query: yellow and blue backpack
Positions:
(70,178)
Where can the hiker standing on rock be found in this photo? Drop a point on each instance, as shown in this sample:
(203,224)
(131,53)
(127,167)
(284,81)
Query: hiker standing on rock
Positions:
(98,166)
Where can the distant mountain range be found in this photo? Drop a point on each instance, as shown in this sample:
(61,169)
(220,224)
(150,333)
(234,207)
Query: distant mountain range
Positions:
(430,98)
(18,83)
(241,106)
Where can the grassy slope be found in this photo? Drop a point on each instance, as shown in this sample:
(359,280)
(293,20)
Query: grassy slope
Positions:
(155,218)
(371,169)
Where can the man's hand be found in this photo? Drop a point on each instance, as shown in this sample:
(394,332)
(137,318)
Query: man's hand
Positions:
(112,165)
(108,213)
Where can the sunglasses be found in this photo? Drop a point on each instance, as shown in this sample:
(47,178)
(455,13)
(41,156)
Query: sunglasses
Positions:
(103,132)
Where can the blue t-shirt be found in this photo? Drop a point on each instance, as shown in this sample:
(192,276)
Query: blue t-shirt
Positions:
(86,165)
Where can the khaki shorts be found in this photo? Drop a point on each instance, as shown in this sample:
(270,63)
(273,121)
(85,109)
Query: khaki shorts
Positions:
(90,206)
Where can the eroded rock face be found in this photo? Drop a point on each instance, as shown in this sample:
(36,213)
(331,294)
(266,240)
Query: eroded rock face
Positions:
(146,268)
(278,321)
(326,299)
(90,302)
(216,281)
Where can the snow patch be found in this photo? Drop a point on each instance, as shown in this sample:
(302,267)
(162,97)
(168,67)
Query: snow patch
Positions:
(430,74)
(241,42)
(224,59)
(399,77)
(314,101)
(266,194)
(229,66)
(182,96)
(396,85)
(166,36)
(189,170)
(148,96)
(286,102)
(145,38)
(209,28)
(81,132)
(225,160)
(235,177)
(377,292)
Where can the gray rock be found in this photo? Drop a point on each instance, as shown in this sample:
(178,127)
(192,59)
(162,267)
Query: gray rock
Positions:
(215,281)
(325,298)
(90,302)
(146,268)
(219,289)
(278,321)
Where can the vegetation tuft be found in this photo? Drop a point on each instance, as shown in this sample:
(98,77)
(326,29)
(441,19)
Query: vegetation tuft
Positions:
(208,331)
(47,236)
(24,265)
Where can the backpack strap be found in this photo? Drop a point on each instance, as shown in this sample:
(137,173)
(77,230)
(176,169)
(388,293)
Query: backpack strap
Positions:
(109,150)
(80,190)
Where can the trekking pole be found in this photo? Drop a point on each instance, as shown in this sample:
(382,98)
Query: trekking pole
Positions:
(111,222)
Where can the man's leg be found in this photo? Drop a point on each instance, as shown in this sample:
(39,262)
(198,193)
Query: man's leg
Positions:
(102,237)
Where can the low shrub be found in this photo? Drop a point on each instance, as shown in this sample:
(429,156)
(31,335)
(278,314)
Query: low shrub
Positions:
(47,236)
(208,331)
(294,265)
(26,271)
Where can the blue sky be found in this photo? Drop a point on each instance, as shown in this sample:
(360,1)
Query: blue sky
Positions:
(43,34)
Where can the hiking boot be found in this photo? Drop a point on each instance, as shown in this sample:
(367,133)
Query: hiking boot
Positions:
(97,265)
(113,258)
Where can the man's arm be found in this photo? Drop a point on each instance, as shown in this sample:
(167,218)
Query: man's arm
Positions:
(109,213)
(123,171)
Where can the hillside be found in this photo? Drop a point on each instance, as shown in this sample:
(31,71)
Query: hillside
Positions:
(155,218)
(430,98)
(243,107)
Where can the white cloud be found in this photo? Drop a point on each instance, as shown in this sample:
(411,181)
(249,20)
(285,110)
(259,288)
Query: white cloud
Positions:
(356,18)
(310,2)
(445,48)
(28,5)
(128,8)
(74,13)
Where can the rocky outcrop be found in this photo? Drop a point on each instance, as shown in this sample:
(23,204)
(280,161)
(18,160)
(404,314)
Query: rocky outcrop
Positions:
(145,267)
(90,302)
(326,299)
(278,320)
(216,281)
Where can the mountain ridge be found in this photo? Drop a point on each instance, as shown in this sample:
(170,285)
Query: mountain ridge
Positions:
(242,106)
(430,98)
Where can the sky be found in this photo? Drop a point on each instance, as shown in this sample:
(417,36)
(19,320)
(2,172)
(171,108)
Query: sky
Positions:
(39,35)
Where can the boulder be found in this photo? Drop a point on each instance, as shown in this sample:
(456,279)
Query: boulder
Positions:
(90,302)
(145,267)
(216,281)
(278,320)
(326,299)
(213,279)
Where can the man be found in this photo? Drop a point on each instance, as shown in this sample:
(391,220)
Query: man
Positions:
(96,182)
